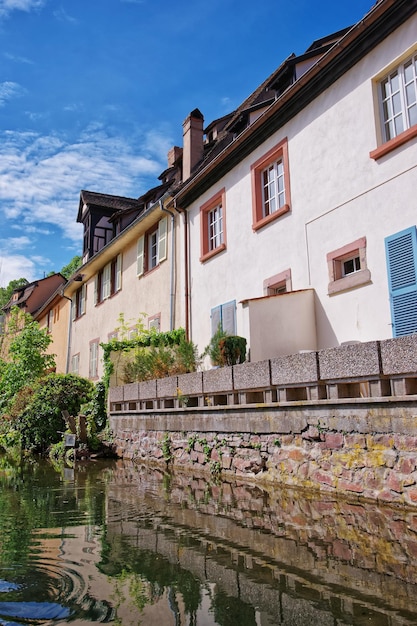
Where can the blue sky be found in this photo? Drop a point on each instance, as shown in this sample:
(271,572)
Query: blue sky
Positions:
(93,94)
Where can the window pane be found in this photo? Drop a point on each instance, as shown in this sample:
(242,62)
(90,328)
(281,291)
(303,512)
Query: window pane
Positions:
(395,83)
(385,89)
(399,126)
(410,92)
(396,104)
(408,72)
(412,115)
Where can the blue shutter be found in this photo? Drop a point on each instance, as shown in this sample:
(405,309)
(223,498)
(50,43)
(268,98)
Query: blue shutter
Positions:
(401,251)
(216,319)
(229,317)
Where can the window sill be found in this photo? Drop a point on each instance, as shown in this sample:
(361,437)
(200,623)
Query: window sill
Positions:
(351,281)
(392,144)
(212,253)
(271,218)
(147,272)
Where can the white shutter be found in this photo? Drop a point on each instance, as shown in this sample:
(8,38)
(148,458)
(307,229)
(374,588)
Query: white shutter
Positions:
(96,289)
(118,285)
(74,308)
(140,256)
(83,296)
(162,239)
(106,281)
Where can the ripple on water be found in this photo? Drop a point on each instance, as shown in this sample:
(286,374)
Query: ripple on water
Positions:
(50,587)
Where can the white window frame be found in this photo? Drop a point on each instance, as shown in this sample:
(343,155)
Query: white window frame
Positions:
(78,302)
(215,227)
(147,260)
(273,187)
(75,363)
(355,260)
(105,282)
(395,105)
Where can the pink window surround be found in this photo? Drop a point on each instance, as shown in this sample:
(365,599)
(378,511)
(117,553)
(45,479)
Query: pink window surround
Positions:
(281,279)
(280,151)
(212,203)
(394,143)
(338,282)
(154,318)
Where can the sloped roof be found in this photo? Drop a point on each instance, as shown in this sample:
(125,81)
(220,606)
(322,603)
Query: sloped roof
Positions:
(118,203)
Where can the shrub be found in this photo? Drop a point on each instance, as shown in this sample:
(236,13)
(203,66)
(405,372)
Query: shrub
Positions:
(232,350)
(95,409)
(225,349)
(41,423)
(161,360)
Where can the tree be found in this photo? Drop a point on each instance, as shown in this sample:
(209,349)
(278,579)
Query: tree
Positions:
(6,292)
(26,358)
(71,267)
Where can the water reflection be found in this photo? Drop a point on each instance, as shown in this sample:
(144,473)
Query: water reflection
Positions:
(118,543)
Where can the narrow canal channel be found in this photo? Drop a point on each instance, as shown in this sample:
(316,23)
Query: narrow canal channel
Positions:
(117,543)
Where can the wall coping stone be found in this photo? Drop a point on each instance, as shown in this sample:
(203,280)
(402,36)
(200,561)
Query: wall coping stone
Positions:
(399,355)
(252,375)
(218,380)
(351,361)
(294,369)
(147,389)
(167,387)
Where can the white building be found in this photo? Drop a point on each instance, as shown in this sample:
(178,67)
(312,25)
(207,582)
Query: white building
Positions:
(302,213)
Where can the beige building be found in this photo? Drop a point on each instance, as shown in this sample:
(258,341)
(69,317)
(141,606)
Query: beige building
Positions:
(131,272)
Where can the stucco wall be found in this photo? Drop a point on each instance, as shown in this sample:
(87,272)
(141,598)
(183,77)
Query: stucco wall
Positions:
(149,295)
(338,194)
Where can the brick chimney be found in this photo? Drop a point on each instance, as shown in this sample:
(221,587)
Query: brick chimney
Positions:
(173,155)
(192,142)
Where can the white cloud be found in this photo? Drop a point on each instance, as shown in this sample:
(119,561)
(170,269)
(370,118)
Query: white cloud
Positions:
(41,176)
(7,6)
(18,59)
(9,90)
(61,15)
(16,266)
(16,243)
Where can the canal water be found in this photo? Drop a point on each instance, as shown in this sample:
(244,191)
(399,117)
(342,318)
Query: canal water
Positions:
(113,542)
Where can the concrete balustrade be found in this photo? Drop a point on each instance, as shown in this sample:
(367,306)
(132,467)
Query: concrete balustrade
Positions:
(374,369)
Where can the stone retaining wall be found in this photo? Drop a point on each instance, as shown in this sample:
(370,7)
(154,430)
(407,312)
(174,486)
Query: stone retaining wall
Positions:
(342,420)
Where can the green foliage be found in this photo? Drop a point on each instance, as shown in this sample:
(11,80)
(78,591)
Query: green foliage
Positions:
(72,266)
(232,350)
(6,292)
(149,355)
(95,409)
(161,361)
(27,359)
(166,447)
(213,348)
(225,349)
(41,423)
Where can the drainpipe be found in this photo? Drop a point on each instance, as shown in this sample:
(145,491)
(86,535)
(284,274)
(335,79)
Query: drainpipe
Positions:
(186,271)
(69,334)
(172,287)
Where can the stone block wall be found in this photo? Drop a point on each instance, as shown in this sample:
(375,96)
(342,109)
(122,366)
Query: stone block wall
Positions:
(342,420)
(373,369)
